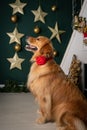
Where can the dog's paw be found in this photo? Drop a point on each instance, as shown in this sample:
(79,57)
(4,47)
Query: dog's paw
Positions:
(40,120)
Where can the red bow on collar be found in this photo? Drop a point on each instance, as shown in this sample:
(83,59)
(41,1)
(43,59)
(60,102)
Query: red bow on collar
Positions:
(41,60)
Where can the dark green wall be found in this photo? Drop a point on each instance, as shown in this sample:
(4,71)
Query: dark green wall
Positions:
(26,24)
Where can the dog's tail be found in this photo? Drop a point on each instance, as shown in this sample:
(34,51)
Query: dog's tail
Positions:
(79,125)
(70,122)
(67,120)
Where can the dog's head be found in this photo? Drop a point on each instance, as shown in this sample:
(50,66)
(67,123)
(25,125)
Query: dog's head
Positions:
(40,46)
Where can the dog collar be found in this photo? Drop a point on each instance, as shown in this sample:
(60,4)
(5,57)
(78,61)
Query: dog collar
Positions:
(41,60)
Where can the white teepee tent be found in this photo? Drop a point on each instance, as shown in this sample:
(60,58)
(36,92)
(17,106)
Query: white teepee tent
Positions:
(75,45)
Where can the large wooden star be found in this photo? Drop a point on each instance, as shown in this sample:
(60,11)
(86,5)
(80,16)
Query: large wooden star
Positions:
(56,32)
(18,6)
(15,36)
(39,15)
(15,62)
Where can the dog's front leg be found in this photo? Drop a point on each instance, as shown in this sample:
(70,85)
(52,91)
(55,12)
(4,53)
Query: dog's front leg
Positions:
(45,109)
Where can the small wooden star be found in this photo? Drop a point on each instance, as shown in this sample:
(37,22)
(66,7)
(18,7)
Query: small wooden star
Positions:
(56,32)
(15,36)
(18,6)
(15,62)
(39,15)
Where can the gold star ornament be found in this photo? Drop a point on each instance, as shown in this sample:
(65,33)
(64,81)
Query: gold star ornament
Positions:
(56,32)
(18,7)
(15,36)
(15,62)
(39,15)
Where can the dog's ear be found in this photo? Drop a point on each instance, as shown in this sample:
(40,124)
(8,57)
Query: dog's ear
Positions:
(47,51)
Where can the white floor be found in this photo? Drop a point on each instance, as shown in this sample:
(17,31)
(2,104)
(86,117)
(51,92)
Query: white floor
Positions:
(18,112)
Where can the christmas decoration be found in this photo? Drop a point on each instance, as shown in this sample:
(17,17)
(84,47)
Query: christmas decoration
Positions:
(80,26)
(75,70)
(76,22)
(85,37)
(56,33)
(75,12)
(14,18)
(39,15)
(17,47)
(12,86)
(54,8)
(15,36)
(18,6)
(55,53)
(79,23)
(15,62)
(36,30)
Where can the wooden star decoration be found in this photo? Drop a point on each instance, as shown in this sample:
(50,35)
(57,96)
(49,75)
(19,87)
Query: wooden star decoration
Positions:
(39,15)
(18,7)
(15,36)
(15,62)
(56,32)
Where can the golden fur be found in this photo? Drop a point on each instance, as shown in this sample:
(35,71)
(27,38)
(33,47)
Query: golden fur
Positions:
(58,98)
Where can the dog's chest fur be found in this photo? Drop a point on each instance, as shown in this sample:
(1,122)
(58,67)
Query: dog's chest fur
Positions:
(37,71)
(42,76)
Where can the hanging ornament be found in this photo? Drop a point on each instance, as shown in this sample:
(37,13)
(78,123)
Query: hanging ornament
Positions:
(55,53)
(18,6)
(15,62)
(36,30)
(14,18)
(15,36)
(79,23)
(56,32)
(76,22)
(39,15)
(17,47)
(54,8)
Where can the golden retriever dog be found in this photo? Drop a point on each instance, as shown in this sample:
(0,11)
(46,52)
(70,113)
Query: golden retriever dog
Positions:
(58,98)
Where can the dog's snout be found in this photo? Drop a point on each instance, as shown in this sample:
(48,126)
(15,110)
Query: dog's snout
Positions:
(28,38)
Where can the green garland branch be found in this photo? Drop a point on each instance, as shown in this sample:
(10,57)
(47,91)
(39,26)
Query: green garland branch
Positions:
(12,86)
